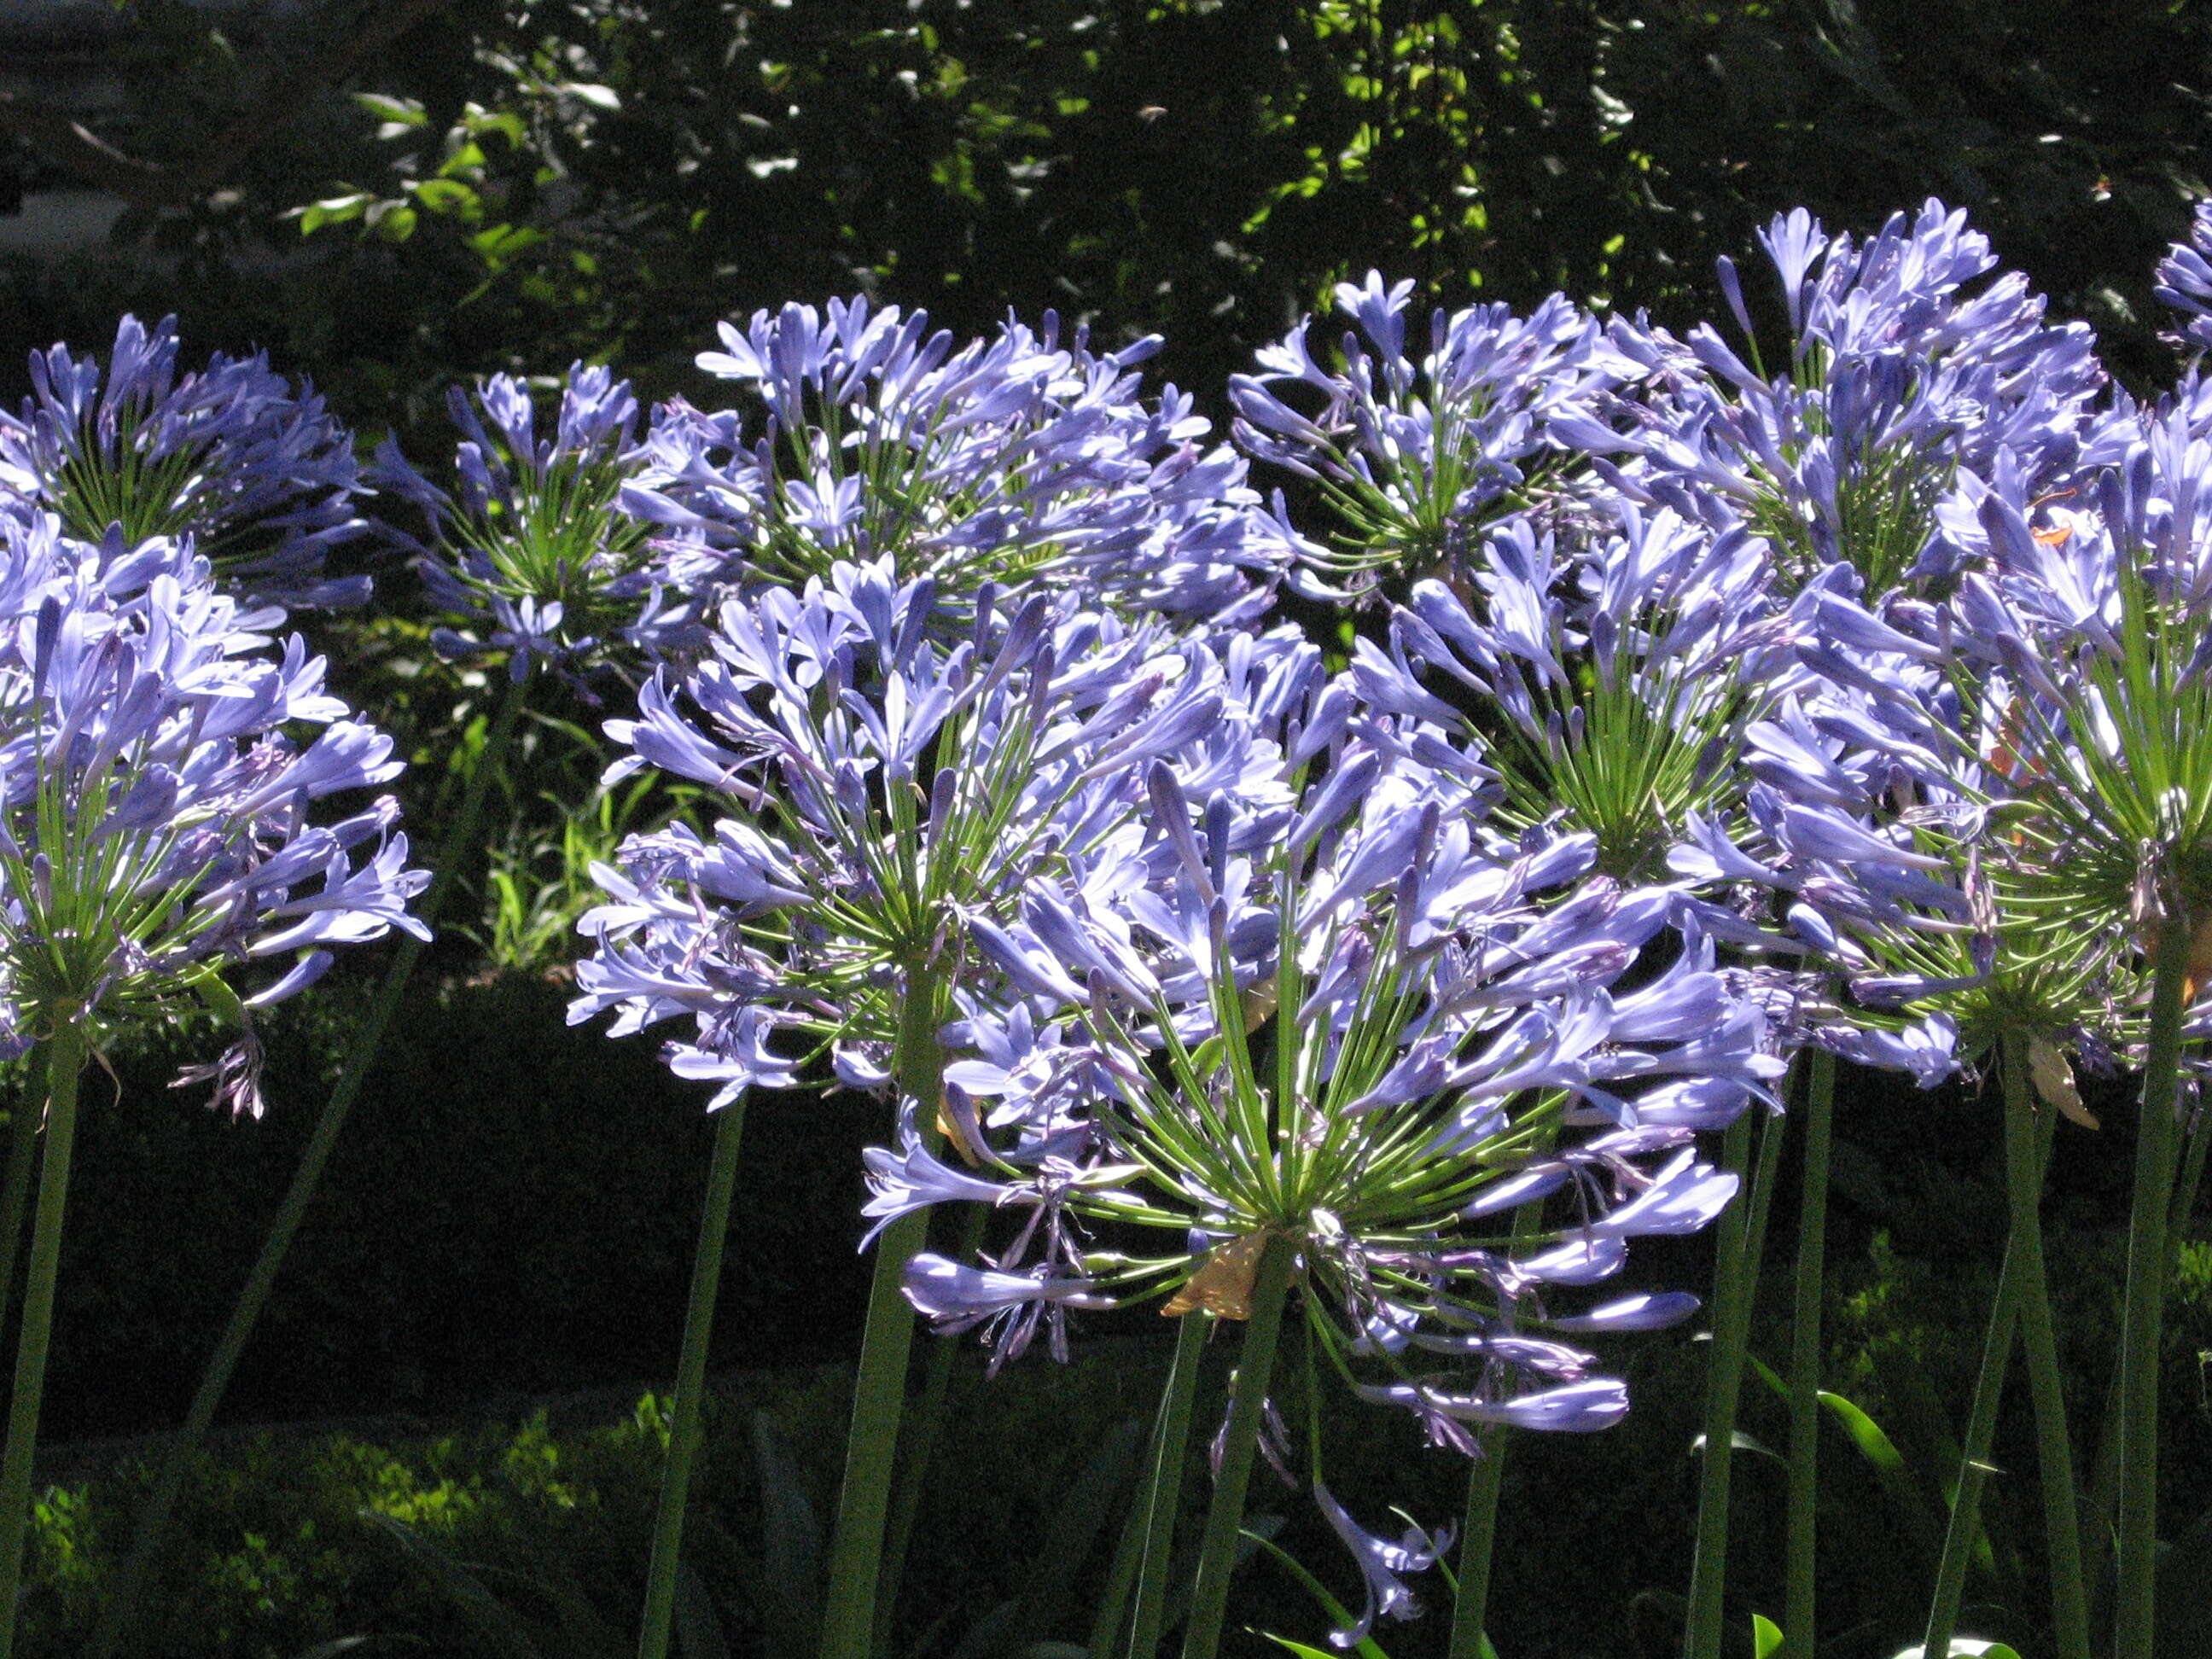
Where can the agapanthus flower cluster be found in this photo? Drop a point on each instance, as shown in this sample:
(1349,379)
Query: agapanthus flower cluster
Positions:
(154,828)
(1986,808)
(1418,456)
(1909,381)
(888,792)
(866,436)
(533,552)
(259,476)
(1355,1020)
(1625,667)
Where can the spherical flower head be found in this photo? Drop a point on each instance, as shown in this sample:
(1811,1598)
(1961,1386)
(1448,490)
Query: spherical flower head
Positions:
(257,474)
(1416,457)
(1905,365)
(1367,1026)
(531,550)
(865,435)
(1626,668)
(887,796)
(154,810)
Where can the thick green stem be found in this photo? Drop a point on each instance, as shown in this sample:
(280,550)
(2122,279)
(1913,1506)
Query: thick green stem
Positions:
(122,1608)
(856,1546)
(22,1159)
(1803,1543)
(65,1060)
(1478,1535)
(1974,1468)
(2029,1129)
(1225,1517)
(685,1431)
(1152,1522)
(1735,1287)
(928,1426)
(2141,1314)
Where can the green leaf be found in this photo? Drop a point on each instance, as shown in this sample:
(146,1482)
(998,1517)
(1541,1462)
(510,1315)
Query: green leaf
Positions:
(1299,1648)
(404,111)
(333,210)
(217,998)
(447,196)
(501,1627)
(391,221)
(1869,1436)
(1765,1635)
(790,1542)
(1913,1503)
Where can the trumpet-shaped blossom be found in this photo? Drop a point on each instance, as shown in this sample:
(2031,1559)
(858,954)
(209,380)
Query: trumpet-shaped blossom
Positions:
(1901,373)
(866,436)
(1417,455)
(892,799)
(533,552)
(259,476)
(154,825)
(1625,671)
(1346,1027)
(1383,1566)
(2185,279)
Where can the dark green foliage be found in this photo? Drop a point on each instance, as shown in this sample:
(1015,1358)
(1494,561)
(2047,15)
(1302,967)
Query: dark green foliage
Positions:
(531,183)
(512,1212)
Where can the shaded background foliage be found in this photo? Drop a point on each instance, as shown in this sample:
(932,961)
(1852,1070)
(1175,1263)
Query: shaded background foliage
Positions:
(605,179)
(484,184)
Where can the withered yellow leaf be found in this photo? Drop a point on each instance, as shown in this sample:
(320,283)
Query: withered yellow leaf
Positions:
(2053,1076)
(1223,1284)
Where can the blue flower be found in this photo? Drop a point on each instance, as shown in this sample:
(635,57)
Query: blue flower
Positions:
(1416,458)
(867,436)
(532,551)
(2185,279)
(1899,374)
(153,810)
(1348,1034)
(893,800)
(1383,1566)
(259,477)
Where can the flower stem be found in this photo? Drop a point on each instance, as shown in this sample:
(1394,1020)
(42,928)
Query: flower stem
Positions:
(123,1605)
(1152,1522)
(2156,1145)
(856,1547)
(1802,1545)
(686,1432)
(1974,1468)
(1742,1237)
(22,1159)
(1479,1524)
(65,1060)
(2028,1139)
(921,1443)
(1225,1517)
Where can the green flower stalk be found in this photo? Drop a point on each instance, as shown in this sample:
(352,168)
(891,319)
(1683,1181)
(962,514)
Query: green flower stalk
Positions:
(890,794)
(1278,1034)
(518,501)
(155,834)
